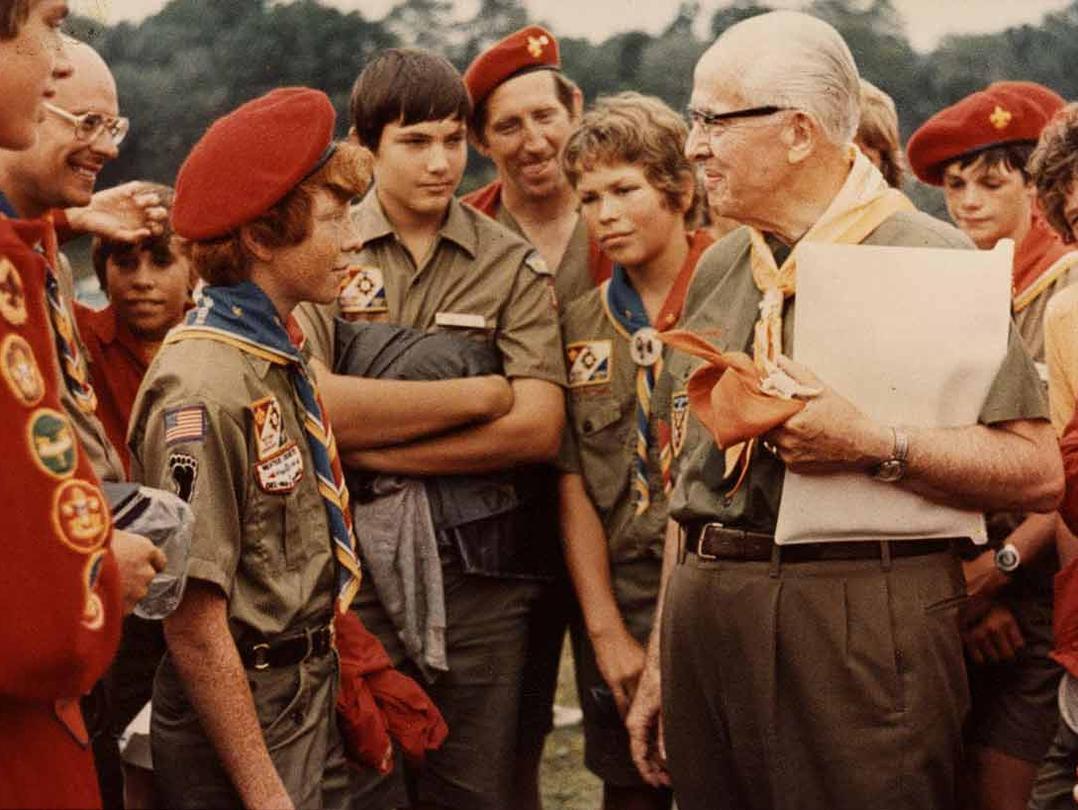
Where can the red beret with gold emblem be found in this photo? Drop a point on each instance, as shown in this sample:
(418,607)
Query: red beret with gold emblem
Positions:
(530,48)
(1002,113)
(248,160)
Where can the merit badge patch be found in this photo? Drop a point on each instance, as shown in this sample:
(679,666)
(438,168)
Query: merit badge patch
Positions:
(93,612)
(20,371)
(282,472)
(12,296)
(183,469)
(269,430)
(590,362)
(80,515)
(363,291)
(52,442)
(679,420)
(185,424)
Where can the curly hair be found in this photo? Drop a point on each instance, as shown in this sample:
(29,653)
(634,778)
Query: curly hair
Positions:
(13,14)
(640,130)
(1053,168)
(226,261)
(878,129)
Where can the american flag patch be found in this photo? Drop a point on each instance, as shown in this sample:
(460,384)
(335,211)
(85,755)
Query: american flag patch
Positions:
(186,424)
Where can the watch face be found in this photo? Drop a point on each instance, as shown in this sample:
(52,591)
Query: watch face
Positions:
(1007,559)
(890,470)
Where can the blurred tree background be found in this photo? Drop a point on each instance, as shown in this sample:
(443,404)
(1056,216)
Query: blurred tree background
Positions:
(196,59)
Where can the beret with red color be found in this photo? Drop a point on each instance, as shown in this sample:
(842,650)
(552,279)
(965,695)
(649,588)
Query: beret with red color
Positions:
(1002,113)
(530,48)
(248,160)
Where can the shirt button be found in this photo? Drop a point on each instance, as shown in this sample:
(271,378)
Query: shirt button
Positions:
(587,426)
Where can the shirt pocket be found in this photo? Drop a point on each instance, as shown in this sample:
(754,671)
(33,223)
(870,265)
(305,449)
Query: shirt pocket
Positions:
(264,533)
(605,440)
(305,528)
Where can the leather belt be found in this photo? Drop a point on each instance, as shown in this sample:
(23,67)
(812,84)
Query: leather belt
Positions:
(288,651)
(713,541)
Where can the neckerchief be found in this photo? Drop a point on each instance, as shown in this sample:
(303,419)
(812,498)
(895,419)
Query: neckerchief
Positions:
(243,317)
(1039,260)
(626,312)
(73,366)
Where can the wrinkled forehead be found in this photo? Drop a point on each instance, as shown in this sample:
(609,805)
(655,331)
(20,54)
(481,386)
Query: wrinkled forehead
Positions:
(716,85)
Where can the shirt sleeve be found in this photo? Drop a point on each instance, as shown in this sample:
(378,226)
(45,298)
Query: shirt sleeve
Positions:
(1069,446)
(317,323)
(1017,391)
(529,338)
(1061,356)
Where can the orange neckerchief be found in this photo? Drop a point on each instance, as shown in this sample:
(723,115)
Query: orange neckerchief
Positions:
(1039,259)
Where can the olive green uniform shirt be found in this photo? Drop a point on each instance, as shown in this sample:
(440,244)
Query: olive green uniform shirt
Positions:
(270,552)
(1030,321)
(572,278)
(724,297)
(479,279)
(600,439)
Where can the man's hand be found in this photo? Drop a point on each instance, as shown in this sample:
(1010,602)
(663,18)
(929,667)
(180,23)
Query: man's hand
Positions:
(645,727)
(995,638)
(621,661)
(829,434)
(127,213)
(983,581)
(138,560)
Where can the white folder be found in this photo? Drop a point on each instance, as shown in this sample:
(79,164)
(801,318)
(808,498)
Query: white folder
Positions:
(913,337)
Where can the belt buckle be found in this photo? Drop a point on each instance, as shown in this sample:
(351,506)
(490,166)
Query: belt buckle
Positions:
(703,555)
(260,656)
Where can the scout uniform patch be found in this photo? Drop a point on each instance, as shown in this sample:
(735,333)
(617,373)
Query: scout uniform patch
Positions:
(93,613)
(183,469)
(20,371)
(12,297)
(590,362)
(52,442)
(363,291)
(269,432)
(282,472)
(185,424)
(679,420)
(80,515)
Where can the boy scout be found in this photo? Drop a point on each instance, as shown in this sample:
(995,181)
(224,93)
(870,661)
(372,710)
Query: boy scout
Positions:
(978,149)
(431,263)
(627,164)
(229,418)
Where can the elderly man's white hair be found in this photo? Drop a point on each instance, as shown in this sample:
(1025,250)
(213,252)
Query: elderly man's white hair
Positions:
(790,59)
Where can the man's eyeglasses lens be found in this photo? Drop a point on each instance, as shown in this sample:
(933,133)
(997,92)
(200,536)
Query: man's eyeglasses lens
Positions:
(89,126)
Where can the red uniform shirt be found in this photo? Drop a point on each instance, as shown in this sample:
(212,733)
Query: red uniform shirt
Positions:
(60,601)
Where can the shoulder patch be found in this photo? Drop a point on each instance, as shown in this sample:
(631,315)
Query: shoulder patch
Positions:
(535,262)
(590,362)
(268,425)
(183,470)
(185,424)
(12,296)
(20,370)
(363,291)
(80,515)
(52,441)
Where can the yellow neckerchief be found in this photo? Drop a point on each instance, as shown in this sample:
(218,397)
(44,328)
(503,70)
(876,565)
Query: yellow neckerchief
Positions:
(864,202)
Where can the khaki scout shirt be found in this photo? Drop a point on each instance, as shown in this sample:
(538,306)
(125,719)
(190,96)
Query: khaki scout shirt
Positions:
(724,297)
(572,279)
(91,432)
(1030,321)
(262,538)
(600,439)
(479,280)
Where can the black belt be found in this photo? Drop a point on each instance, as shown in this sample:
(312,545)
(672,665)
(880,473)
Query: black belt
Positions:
(712,541)
(288,651)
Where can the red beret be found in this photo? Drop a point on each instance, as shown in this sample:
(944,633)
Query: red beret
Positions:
(529,48)
(248,160)
(1002,113)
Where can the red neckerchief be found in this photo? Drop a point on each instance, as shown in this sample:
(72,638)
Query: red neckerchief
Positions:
(1039,250)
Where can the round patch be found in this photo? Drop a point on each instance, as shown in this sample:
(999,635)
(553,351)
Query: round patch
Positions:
(52,442)
(645,347)
(20,371)
(80,515)
(12,296)
(93,612)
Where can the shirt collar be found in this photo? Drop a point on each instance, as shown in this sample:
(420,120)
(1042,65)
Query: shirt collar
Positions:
(373,224)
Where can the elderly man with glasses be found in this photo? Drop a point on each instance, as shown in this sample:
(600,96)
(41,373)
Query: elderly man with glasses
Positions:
(824,675)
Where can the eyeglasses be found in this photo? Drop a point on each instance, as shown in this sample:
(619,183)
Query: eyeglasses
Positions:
(713,123)
(90,125)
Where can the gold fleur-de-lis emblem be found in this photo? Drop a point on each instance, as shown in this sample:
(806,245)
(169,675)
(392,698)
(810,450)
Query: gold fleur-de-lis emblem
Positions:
(536,45)
(1000,118)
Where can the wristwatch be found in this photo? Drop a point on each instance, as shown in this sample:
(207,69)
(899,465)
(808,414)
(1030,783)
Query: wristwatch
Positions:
(892,469)
(1008,559)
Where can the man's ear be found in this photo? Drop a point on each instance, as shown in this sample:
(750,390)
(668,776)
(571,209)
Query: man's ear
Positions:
(253,246)
(577,110)
(800,135)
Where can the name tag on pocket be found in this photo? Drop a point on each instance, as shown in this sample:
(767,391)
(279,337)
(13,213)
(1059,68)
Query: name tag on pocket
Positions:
(280,473)
(461,320)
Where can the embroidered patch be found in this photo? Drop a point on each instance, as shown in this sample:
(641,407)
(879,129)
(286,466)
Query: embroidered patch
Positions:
(183,469)
(679,420)
(52,442)
(1000,117)
(93,612)
(20,371)
(590,362)
(282,472)
(185,424)
(12,296)
(269,434)
(80,515)
(363,291)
